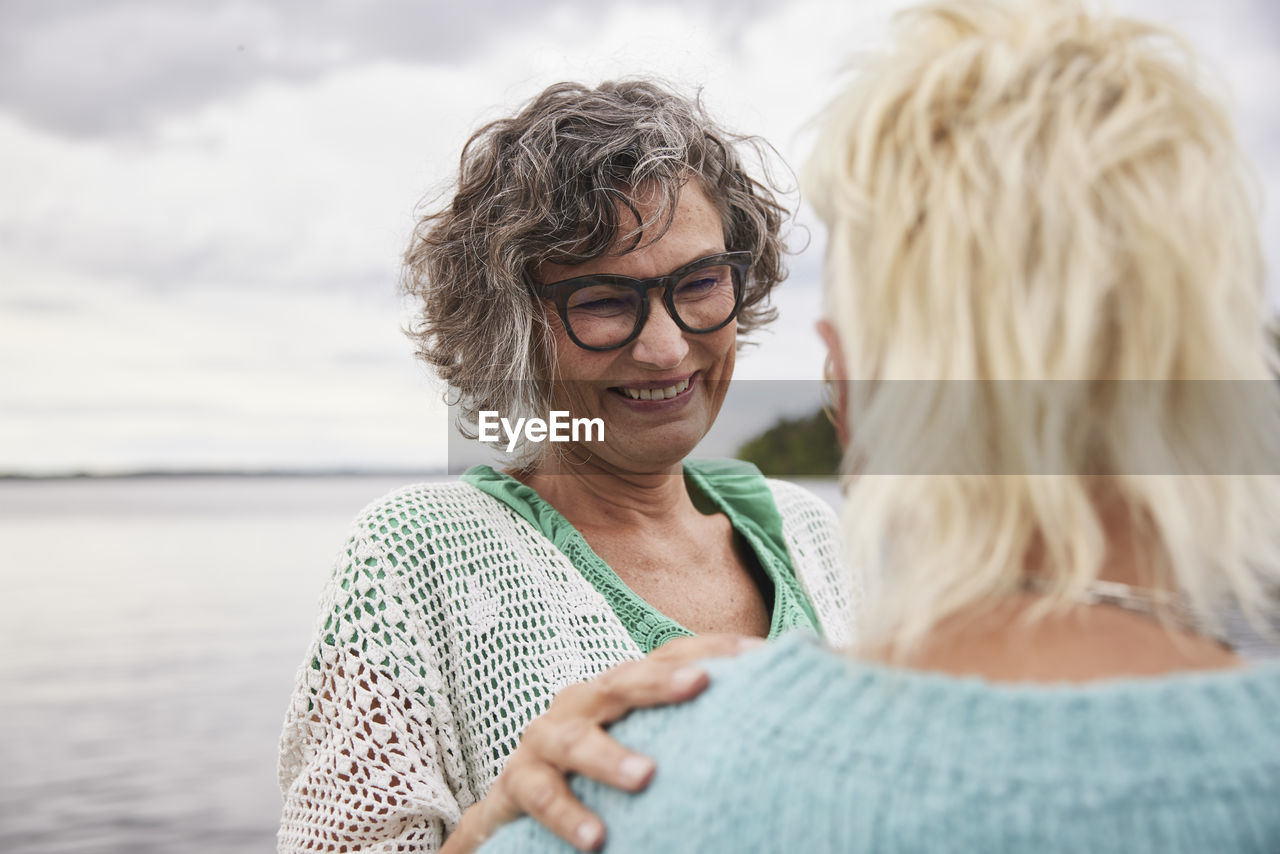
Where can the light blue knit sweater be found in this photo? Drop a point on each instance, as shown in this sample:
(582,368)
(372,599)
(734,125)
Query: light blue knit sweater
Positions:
(796,749)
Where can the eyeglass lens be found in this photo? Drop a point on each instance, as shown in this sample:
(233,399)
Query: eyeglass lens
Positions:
(602,315)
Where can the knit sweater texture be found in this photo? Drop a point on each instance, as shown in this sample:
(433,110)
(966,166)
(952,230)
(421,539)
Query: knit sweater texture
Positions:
(799,749)
(457,611)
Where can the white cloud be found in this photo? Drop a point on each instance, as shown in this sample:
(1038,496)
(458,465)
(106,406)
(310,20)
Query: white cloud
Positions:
(93,67)
(202,378)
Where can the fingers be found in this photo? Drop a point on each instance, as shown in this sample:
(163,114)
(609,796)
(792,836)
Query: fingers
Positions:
(569,738)
(667,675)
(542,792)
(633,685)
(588,750)
(706,646)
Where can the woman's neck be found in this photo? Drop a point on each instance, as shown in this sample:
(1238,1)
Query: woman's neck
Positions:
(592,494)
(1003,638)
(1081,644)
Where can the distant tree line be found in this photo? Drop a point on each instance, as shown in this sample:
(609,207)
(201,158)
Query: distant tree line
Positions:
(804,446)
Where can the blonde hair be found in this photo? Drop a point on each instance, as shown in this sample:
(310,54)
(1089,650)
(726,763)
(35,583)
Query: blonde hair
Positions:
(1045,202)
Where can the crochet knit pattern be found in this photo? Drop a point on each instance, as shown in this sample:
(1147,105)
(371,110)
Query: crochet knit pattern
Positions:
(449,624)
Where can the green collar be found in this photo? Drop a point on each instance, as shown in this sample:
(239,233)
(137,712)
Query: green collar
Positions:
(736,488)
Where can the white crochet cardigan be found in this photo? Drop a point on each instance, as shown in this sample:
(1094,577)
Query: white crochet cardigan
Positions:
(449,624)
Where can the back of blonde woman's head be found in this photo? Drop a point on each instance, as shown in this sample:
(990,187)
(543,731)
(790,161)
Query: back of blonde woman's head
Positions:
(1043,266)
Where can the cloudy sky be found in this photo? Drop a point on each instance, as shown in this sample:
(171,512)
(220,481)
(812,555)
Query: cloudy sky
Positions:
(203,203)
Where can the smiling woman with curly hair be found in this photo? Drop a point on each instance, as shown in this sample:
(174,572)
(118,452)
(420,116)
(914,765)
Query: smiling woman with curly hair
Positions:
(558,184)
(604,254)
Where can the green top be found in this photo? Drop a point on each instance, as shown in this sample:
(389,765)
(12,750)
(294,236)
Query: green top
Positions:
(737,489)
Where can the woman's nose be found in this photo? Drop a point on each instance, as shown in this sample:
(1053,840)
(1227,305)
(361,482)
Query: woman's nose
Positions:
(661,343)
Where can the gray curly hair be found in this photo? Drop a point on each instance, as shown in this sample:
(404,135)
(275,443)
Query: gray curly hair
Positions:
(545,186)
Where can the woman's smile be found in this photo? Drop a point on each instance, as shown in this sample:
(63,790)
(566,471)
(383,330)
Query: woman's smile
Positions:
(656,392)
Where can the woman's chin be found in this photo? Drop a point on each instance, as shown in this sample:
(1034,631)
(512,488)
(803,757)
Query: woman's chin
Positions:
(651,457)
(640,436)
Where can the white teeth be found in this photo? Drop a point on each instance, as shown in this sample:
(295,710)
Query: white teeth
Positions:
(656,393)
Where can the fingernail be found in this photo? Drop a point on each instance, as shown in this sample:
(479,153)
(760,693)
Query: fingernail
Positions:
(685,677)
(589,833)
(634,769)
(750,643)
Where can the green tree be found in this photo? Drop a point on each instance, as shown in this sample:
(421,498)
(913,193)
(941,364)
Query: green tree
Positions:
(795,446)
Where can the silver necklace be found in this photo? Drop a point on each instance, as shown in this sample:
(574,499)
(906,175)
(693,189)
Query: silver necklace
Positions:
(1154,604)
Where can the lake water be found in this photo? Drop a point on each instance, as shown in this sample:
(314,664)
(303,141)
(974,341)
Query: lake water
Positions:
(152,629)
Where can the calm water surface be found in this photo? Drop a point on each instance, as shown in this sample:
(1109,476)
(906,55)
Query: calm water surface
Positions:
(152,631)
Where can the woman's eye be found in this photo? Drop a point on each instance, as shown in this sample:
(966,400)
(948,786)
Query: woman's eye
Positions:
(699,285)
(600,301)
(600,306)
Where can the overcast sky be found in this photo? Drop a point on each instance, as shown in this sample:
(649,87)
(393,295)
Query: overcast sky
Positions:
(204,202)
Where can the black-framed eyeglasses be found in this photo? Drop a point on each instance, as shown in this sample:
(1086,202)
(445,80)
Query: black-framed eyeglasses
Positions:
(605,312)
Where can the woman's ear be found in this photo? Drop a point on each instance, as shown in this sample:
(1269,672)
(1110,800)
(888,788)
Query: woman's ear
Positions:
(834,351)
(836,376)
